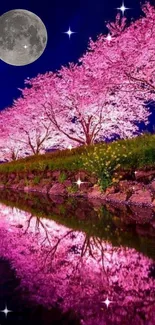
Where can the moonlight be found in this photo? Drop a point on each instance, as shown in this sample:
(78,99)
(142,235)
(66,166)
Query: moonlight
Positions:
(23,37)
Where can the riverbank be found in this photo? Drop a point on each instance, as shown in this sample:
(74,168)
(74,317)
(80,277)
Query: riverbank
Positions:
(136,188)
(122,172)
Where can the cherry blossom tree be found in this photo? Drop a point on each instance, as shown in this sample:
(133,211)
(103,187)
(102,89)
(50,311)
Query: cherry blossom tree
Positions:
(81,107)
(25,130)
(128,55)
(9,149)
(34,135)
(32,131)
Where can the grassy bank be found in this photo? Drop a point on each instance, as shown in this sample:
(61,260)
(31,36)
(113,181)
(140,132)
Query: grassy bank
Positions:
(136,153)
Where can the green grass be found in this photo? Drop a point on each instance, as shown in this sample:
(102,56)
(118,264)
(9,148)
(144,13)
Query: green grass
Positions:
(142,155)
(62,178)
(36,180)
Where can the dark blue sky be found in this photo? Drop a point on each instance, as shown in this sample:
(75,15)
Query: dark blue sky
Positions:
(86,17)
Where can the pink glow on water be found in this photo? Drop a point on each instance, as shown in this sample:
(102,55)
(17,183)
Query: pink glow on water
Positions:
(53,262)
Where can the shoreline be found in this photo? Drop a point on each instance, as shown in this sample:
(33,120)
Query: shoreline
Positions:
(135,189)
(91,195)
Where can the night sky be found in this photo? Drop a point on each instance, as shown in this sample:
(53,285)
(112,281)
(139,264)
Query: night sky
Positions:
(86,18)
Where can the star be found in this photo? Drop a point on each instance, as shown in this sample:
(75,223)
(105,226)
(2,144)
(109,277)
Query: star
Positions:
(69,32)
(70,147)
(25,46)
(107,302)
(79,182)
(5,311)
(108,38)
(122,8)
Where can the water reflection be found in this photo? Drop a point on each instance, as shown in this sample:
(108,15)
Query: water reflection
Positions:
(71,269)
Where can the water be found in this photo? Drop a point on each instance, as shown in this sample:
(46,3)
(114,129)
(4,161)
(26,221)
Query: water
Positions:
(60,260)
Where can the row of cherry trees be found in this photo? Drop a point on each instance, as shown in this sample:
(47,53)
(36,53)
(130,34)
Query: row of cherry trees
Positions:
(105,94)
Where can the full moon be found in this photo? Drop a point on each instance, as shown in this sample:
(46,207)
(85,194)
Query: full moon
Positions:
(23,37)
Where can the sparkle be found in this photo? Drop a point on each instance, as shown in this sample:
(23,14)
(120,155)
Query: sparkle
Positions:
(5,311)
(25,46)
(70,147)
(79,182)
(122,8)
(108,38)
(69,32)
(107,302)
